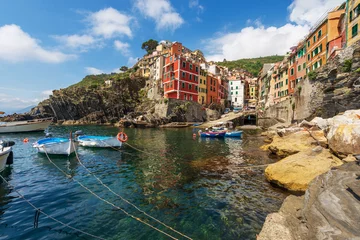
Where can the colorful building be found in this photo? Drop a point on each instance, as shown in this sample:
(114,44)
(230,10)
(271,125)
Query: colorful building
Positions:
(237,93)
(180,77)
(292,70)
(202,87)
(336,31)
(281,85)
(353,21)
(212,89)
(300,62)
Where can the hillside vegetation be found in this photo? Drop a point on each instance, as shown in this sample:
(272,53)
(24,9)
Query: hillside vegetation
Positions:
(252,65)
(93,81)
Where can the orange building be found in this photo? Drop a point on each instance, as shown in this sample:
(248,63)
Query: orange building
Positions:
(301,62)
(336,31)
(292,71)
(212,89)
(316,46)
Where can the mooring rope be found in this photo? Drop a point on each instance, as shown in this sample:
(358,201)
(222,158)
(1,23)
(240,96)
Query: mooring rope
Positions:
(122,198)
(106,201)
(47,215)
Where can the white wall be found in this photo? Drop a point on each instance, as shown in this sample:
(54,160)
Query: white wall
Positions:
(236,91)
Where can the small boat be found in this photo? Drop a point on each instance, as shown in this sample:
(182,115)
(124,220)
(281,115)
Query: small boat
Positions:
(6,154)
(98,141)
(58,146)
(25,126)
(212,134)
(235,134)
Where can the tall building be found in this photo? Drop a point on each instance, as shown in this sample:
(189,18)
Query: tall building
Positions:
(202,87)
(236,91)
(292,70)
(300,61)
(212,89)
(353,22)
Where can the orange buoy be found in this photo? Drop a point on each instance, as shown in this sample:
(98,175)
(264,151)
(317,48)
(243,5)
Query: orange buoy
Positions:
(26,140)
(122,137)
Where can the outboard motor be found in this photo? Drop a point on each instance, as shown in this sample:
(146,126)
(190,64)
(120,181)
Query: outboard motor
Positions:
(48,135)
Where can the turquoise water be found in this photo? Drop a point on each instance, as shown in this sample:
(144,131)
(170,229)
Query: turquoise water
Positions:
(196,186)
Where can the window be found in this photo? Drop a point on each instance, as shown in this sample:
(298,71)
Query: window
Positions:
(210,88)
(190,86)
(197,69)
(190,66)
(183,74)
(299,68)
(205,82)
(170,59)
(354,30)
(292,72)
(232,93)
(351,16)
(191,97)
(236,93)
(314,38)
(190,76)
(230,83)
(184,64)
(286,81)
(200,81)
(182,85)
(320,48)
(237,87)
(231,88)
(304,65)
(308,57)
(320,62)
(308,43)
(185,97)
(319,34)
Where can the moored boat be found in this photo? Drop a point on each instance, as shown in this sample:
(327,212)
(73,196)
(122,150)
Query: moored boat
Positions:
(98,141)
(211,134)
(25,126)
(235,134)
(6,155)
(57,146)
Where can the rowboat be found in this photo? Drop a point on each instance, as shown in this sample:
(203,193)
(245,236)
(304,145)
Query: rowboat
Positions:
(211,134)
(235,134)
(25,126)
(57,146)
(6,155)
(98,141)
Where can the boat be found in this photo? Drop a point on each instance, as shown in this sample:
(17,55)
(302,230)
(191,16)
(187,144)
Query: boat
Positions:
(57,146)
(212,134)
(25,126)
(6,154)
(98,141)
(234,134)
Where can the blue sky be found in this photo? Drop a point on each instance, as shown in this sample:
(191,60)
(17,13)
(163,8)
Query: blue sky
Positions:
(46,45)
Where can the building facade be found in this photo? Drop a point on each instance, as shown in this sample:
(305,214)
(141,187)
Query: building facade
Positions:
(236,90)
(353,21)
(212,89)
(202,87)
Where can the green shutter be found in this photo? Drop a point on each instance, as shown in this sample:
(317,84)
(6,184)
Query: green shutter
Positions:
(354,30)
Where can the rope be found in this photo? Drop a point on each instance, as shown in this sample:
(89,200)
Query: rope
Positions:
(133,205)
(47,215)
(106,201)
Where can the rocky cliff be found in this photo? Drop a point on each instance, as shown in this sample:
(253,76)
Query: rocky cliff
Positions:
(94,103)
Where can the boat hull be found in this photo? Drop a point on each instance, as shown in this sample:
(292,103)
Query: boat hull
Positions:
(235,134)
(55,148)
(24,126)
(97,141)
(4,154)
(213,134)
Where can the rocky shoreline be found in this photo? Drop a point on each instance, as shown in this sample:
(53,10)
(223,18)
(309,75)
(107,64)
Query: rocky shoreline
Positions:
(320,163)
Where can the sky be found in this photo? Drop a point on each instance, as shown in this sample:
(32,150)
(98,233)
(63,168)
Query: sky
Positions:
(47,45)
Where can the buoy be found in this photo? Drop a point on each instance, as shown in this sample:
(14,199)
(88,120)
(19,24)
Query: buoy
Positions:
(26,140)
(122,137)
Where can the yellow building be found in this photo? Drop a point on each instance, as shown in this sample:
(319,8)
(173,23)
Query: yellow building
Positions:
(353,12)
(202,87)
(281,81)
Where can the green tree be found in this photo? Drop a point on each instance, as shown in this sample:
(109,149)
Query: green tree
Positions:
(149,46)
(124,68)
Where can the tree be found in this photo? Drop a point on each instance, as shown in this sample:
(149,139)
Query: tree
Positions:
(124,68)
(149,46)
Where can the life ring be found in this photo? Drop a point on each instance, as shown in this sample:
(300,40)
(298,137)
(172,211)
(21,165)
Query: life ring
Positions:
(122,137)
(26,140)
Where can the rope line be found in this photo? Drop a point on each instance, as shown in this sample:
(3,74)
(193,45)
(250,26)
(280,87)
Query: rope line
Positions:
(106,201)
(47,215)
(122,198)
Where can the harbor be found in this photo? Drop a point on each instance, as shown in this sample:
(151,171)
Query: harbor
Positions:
(182,182)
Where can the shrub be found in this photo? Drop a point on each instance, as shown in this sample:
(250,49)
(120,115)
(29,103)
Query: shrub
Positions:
(166,100)
(312,75)
(357,70)
(347,65)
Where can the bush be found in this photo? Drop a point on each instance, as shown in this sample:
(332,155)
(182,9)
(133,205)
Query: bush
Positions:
(347,65)
(357,70)
(299,89)
(312,75)
(166,100)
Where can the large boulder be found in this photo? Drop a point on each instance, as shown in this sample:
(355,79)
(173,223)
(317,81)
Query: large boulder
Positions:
(294,143)
(297,171)
(344,133)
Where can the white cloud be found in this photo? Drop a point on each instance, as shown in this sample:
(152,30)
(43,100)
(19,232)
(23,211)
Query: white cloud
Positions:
(109,23)
(17,46)
(165,16)
(196,4)
(123,47)
(9,103)
(93,71)
(46,93)
(308,12)
(131,61)
(81,42)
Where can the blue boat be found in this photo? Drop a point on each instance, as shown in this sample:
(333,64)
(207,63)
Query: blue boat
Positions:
(234,134)
(59,146)
(213,134)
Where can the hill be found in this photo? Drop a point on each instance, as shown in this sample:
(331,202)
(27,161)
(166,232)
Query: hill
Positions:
(252,65)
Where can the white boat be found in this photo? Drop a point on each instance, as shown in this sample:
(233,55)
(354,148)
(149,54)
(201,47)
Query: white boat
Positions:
(5,154)
(98,141)
(25,126)
(58,146)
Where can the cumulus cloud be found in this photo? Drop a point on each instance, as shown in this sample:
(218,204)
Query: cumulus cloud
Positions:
(93,71)
(109,23)
(131,61)
(123,47)
(161,11)
(80,42)
(308,12)
(258,40)
(17,46)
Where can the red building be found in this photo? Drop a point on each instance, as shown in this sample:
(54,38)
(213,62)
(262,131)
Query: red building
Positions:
(181,76)
(212,85)
(292,70)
